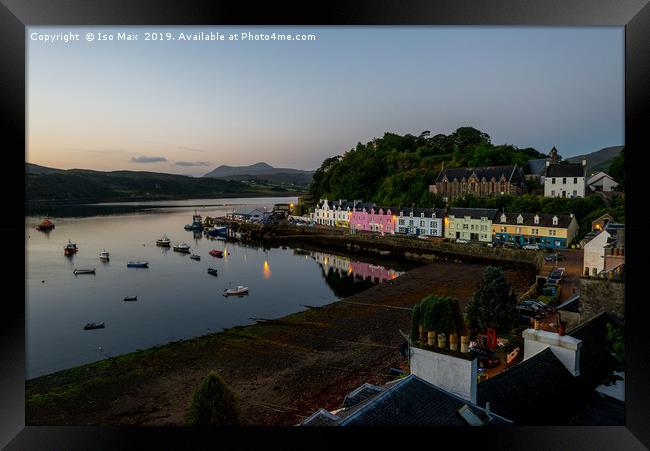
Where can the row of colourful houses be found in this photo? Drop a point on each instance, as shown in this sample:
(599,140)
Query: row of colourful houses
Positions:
(472,224)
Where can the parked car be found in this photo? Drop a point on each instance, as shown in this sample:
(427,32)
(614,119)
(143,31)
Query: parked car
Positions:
(486,358)
(510,245)
(490,244)
(555,257)
(461,241)
(532,307)
(532,247)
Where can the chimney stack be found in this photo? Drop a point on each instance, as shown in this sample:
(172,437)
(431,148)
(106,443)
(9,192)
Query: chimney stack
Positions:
(584,162)
(548,163)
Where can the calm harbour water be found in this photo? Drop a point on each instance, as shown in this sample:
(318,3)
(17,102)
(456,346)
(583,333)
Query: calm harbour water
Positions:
(177,299)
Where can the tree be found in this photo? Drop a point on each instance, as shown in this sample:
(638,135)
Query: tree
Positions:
(437,313)
(617,169)
(213,404)
(494,303)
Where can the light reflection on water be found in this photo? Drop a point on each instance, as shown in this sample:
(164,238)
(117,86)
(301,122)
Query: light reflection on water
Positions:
(177,298)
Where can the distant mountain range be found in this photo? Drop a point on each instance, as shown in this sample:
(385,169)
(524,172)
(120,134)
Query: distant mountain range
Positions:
(598,160)
(85,185)
(262,172)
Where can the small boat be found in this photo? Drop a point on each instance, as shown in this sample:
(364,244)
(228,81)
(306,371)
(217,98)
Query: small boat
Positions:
(104,255)
(137,264)
(195,257)
(183,247)
(188,227)
(235,291)
(90,326)
(45,226)
(218,231)
(163,242)
(70,248)
(197,222)
(131,298)
(212,271)
(84,271)
(216,253)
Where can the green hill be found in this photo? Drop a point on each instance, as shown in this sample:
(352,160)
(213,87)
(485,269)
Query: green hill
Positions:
(43,183)
(397,170)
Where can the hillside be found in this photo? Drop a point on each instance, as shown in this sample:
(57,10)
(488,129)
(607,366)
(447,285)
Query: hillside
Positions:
(262,172)
(43,183)
(397,170)
(598,160)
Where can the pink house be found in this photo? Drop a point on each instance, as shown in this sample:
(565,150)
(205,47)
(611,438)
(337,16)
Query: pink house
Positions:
(373,219)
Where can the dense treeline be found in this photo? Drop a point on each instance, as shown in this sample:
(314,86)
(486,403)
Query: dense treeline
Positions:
(397,170)
(83,185)
(617,169)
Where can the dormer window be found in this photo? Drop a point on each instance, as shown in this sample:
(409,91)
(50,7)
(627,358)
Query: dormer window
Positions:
(401,213)
(554,220)
(503,217)
(536,219)
(520,219)
(422,215)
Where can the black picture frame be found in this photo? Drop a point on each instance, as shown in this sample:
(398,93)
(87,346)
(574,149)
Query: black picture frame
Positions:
(15,15)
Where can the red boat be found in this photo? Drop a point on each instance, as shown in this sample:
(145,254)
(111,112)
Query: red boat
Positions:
(216,253)
(45,226)
(70,248)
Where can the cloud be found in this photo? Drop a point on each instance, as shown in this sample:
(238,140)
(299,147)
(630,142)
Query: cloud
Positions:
(191,149)
(192,163)
(147,159)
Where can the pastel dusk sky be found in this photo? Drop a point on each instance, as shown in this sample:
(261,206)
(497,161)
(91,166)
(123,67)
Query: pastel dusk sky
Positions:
(187,107)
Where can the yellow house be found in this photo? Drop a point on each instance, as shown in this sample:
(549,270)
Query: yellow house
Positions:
(545,230)
(472,224)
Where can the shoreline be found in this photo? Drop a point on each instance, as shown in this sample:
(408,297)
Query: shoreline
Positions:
(281,370)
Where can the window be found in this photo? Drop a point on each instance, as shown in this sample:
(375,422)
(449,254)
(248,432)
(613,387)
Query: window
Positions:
(575,180)
(553,181)
(575,193)
(564,180)
(553,192)
(503,229)
(465,226)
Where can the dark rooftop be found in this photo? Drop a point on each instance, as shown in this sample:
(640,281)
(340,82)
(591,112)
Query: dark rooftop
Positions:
(539,391)
(513,174)
(545,220)
(565,170)
(415,402)
(474,213)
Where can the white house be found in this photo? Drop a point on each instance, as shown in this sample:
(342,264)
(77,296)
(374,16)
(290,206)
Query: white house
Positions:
(601,182)
(334,213)
(565,179)
(596,249)
(420,221)
(594,254)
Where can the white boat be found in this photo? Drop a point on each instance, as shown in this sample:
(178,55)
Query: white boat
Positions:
(164,241)
(182,247)
(195,257)
(235,291)
(104,255)
(84,271)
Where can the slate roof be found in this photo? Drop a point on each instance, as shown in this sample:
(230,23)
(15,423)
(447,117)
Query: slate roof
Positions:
(415,402)
(602,411)
(366,205)
(343,203)
(360,394)
(474,213)
(440,213)
(320,418)
(570,305)
(594,363)
(513,174)
(535,167)
(565,170)
(545,219)
(539,391)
